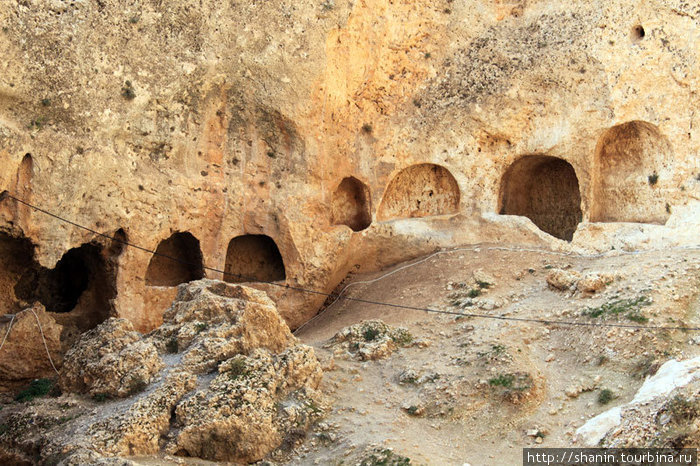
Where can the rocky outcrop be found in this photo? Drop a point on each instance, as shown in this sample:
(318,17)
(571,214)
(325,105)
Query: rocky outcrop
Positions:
(254,404)
(370,340)
(505,122)
(222,379)
(663,413)
(110,360)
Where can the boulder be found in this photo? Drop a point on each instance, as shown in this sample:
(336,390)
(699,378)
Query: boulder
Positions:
(562,279)
(110,360)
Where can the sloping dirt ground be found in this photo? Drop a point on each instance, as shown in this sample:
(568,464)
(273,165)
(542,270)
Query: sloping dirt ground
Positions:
(482,389)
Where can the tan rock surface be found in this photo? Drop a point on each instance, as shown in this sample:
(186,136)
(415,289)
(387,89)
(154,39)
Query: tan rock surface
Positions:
(110,360)
(234,389)
(223,119)
(23,356)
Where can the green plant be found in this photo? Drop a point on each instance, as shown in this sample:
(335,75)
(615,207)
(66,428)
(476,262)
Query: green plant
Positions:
(502,380)
(402,337)
(37,123)
(412,410)
(512,383)
(605,396)
(427,55)
(45,102)
(682,409)
(629,307)
(37,388)
(367,128)
(327,5)
(653,179)
(134,19)
(128,91)
(201,326)
(237,368)
(370,333)
(384,457)
(474,292)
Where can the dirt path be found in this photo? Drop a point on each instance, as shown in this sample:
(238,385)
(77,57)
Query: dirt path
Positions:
(461,416)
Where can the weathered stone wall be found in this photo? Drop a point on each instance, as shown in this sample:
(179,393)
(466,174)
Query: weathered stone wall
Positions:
(221,119)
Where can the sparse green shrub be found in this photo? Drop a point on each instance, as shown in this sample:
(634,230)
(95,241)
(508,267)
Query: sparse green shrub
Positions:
(201,326)
(37,388)
(370,333)
(402,337)
(605,396)
(134,19)
(631,308)
(653,179)
(238,368)
(367,128)
(645,367)
(474,292)
(682,409)
(512,386)
(502,380)
(384,457)
(45,102)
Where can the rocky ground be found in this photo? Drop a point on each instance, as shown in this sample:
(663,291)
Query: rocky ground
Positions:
(397,384)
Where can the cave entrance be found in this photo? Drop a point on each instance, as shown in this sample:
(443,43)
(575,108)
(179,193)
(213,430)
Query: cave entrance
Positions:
(177,260)
(351,204)
(251,258)
(82,285)
(420,191)
(16,258)
(545,190)
(627,186)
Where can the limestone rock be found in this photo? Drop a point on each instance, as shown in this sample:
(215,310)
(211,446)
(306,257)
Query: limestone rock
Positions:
(139,428)
(249,409)
(239,386)
(562,279)
(23,356)
(371,339)
(211,321)
(593,282)
(110,360)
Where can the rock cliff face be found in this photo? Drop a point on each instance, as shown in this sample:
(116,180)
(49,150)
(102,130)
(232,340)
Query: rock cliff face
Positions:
(293,142)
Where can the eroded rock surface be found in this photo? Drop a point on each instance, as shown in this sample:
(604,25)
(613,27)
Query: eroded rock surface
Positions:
(110,360)
(371,339)
(223,379)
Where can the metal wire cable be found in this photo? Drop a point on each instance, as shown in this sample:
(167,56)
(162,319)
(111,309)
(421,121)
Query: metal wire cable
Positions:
(6,194)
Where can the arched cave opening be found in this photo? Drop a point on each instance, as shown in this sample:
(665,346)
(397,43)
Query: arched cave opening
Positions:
(351,204)
(177,259)
(544,189)
(627,186)
(420,191)
(82,285)
(251,258)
